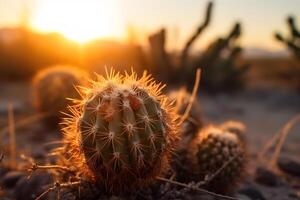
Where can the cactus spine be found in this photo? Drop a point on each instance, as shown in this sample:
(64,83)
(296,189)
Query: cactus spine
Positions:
(122,132)
(214,149)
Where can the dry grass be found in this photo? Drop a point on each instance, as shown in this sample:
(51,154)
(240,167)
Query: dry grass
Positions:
(277,141)
(12,137)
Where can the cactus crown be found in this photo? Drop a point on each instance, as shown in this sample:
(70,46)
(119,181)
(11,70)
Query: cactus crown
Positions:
(122,131)
(212,150)
(236,128)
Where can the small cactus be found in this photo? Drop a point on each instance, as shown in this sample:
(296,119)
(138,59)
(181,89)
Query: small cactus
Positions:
(121,132)
(52,86)
(214,149)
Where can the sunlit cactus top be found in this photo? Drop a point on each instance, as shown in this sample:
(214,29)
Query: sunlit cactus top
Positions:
(122,131)
(235,127)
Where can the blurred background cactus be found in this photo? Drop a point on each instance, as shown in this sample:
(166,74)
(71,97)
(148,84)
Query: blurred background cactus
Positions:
(53,86)
(221,68)
(292,41)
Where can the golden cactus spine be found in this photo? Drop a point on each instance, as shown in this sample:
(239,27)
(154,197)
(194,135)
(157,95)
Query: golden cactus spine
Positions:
(122,132)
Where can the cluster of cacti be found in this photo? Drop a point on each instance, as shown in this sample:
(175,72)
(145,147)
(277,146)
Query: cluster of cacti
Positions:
(293,40)
(52,86)
(219,60)
(219,155)
(122,132)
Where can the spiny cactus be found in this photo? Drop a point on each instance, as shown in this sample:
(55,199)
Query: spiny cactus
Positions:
(235,127)
(122,132)
(293,40)
(52,86)
(214,149)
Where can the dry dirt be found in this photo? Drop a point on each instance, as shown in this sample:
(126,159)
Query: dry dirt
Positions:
(264,111)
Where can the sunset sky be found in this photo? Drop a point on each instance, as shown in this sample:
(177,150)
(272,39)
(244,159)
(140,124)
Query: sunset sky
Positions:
(90,19)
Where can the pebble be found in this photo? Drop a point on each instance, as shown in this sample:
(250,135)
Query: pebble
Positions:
(289,165)
(242,197)
(252,192)
(3,171)
(266,177)
(33,186)
(10,179)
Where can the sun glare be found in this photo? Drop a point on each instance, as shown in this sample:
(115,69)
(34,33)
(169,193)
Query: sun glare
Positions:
(78,20)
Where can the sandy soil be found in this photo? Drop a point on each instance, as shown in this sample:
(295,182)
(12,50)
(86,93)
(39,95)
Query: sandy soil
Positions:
(264,111)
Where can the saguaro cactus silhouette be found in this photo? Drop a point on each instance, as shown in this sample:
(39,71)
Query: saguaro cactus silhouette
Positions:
(293,40)
(222,72)
(219,72)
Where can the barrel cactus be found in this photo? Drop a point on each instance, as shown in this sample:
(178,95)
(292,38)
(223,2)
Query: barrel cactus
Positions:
(214,150)
(121,132)
(52,86)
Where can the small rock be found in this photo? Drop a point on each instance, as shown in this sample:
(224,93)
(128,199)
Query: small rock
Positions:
(252,192)
(242,197)
(38,153)
(3,171)
(10,179)
(289,165)
(33,186)
(266,177)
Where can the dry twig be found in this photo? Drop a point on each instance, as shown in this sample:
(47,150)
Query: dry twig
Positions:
(57,186)
(1,156)
(192,98)
(206,181)
(26,121)
(195,188)
(211,177)
(282,137)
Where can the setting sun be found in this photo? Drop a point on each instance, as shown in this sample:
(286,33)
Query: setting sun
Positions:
(80,20)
